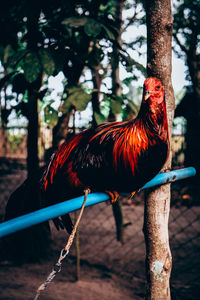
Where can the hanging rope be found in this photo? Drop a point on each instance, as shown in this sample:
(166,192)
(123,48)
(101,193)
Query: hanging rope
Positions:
(64,252)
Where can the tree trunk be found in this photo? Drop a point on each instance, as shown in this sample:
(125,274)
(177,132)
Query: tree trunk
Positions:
(96,79)
(32,138)
(191,113)
(33,243)
(116,82)
(157,201)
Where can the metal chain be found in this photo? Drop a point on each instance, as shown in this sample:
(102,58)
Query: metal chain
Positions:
(64,252)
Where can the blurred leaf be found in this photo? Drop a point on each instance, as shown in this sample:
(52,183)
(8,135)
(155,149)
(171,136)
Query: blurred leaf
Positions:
(14,141)
(133,107)
(15,58)
(127,81)
(99,117)
(78,98)
(47,61)
(116,105)
(31,66)
(66,107)
(129,111)
(50,116)
(75,21)
(92,27)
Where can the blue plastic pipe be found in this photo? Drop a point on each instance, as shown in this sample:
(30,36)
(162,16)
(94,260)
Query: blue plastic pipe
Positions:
(68,206)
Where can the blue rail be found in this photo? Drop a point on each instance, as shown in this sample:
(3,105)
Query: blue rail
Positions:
(68,206)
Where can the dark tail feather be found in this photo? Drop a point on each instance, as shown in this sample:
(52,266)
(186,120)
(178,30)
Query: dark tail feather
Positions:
(33,243)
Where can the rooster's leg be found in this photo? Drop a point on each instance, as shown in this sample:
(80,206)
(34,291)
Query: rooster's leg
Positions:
(113,195)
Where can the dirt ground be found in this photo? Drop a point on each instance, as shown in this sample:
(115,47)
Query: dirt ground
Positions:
(109,270)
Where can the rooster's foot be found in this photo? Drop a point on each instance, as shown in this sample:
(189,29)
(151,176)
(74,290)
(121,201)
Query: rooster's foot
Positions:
(113,195)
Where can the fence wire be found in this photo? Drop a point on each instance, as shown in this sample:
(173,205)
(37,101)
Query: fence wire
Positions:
(98,244)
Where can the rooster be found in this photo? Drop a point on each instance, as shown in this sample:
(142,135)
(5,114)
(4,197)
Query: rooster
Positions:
(113,157)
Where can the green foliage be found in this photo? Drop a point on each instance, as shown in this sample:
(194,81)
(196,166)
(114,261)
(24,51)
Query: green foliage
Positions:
(16,57)
(116,105)
(47,61)
(31,66)
(34,63)
(77,98)
(187,23)
(92,28)
(50,115)
(128,80)
(130,110)
(131,101)
(99,117)
(63,37)
(107,7)
(14,141)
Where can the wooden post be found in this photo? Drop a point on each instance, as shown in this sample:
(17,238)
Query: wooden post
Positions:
(157,201)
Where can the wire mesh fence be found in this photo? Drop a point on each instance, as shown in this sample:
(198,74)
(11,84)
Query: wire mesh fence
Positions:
(98,244)
(128,260)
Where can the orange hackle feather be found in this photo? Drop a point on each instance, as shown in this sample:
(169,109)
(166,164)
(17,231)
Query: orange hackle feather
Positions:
(129,141)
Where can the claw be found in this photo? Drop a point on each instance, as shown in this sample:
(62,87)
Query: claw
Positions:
(113,195)
(133,194)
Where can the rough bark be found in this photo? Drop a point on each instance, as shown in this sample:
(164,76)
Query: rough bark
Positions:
(157,201)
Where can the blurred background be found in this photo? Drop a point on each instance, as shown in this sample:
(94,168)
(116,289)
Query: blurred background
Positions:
(67,65)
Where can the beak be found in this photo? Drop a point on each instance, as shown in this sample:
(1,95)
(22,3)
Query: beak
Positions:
(147,94)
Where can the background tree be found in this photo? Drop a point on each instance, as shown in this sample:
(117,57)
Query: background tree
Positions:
(187,38)
(116,82)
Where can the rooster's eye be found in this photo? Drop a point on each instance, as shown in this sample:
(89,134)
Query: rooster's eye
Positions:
(158,87)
